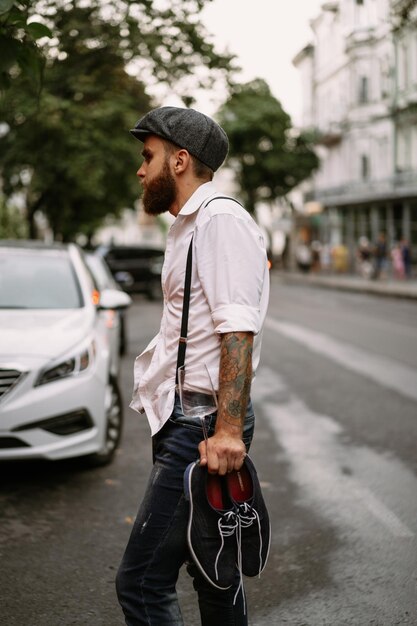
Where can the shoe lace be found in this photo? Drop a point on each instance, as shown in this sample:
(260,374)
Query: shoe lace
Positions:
(227,525)
(242,516)
(247,516)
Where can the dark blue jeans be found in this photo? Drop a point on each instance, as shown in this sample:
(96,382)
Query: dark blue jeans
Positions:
(157,548)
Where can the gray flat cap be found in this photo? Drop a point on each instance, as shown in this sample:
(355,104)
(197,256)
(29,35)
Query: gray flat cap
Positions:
(189,129)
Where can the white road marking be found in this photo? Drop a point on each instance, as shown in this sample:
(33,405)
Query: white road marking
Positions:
(317,458)
(381,512)
(380,369)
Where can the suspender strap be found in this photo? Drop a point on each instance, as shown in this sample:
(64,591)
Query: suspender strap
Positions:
(182,344)
(223,198)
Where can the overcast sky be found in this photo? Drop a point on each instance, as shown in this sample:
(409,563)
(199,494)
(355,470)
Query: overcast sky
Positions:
(265,35)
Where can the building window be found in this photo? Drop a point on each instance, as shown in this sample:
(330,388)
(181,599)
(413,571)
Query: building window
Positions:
(363,90)
(364,167)
(359,2)
(405,65)
(384,77)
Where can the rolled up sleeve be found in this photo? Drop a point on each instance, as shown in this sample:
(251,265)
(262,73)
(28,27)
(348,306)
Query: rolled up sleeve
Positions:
(236,318)
(231,260)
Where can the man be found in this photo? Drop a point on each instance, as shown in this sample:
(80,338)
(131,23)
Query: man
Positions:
(381,256)
(182,148)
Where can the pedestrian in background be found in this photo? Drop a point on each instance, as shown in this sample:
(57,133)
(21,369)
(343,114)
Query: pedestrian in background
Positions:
(326,258)
(365,257)
(380,256)
(397,261)
(228,303)
(316,256)
(406,256)
(303,256)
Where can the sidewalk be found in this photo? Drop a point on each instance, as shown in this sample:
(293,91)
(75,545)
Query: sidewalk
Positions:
(382,287)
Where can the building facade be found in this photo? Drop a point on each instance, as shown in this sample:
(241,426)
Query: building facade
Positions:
(359,78)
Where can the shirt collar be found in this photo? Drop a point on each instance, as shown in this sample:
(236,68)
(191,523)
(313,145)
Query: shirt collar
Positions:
(195,201)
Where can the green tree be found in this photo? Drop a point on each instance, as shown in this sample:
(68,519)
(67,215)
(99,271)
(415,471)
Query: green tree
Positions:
(403,14)
(267,154)
(164,42)
(67,150)
(12,223)
(18,42)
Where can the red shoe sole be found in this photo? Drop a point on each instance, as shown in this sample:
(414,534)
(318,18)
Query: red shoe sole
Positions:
(240,485)
(214,492)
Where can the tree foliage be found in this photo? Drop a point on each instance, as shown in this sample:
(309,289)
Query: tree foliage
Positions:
(67,149)
(403,14)
(18,42)
(162,41)
(267,154)
(12,223)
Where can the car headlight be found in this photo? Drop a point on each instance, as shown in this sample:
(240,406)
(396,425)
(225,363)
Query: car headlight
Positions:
(73,365)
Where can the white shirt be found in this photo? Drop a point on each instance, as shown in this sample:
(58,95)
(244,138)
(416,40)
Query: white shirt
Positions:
(229,293)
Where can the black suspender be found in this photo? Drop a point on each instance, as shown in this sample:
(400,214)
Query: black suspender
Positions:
(182,344)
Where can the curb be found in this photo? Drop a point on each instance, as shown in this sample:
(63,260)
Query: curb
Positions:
(387,288)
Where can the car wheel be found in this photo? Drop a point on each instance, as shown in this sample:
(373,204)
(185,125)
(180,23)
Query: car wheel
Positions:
(114,423)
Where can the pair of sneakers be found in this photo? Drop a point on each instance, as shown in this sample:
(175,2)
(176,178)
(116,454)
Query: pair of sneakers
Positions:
(228,525)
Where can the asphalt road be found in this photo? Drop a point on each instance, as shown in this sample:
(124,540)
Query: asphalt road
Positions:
(336,406)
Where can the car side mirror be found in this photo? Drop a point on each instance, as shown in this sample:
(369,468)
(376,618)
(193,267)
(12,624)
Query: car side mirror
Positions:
(114,299)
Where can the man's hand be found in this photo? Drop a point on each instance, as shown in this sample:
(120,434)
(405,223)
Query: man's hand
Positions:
(225,450)
(222,453)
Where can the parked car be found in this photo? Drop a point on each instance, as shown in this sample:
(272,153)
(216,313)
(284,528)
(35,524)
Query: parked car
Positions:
(136,268)
(59,392)
(115,318)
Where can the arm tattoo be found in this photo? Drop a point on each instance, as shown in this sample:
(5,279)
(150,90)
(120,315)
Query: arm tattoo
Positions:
(235,377)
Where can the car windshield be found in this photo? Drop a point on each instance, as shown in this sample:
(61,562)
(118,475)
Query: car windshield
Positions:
(101,272)
(37,279)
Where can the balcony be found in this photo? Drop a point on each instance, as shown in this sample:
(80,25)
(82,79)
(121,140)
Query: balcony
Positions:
(402,185)
(330,135)
(363,36)
(333,7)
(406,101)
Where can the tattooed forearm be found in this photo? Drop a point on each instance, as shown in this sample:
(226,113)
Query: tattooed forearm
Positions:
(235,377)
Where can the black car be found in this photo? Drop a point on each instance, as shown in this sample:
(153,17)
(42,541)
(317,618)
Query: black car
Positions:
(137,268)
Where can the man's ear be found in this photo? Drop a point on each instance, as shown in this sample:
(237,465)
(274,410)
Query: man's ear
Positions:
(182,160)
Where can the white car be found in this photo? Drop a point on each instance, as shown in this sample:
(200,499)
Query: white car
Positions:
(59,393)
(116,319)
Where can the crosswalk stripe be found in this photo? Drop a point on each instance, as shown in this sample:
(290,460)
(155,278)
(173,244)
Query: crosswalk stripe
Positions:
(380,369)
